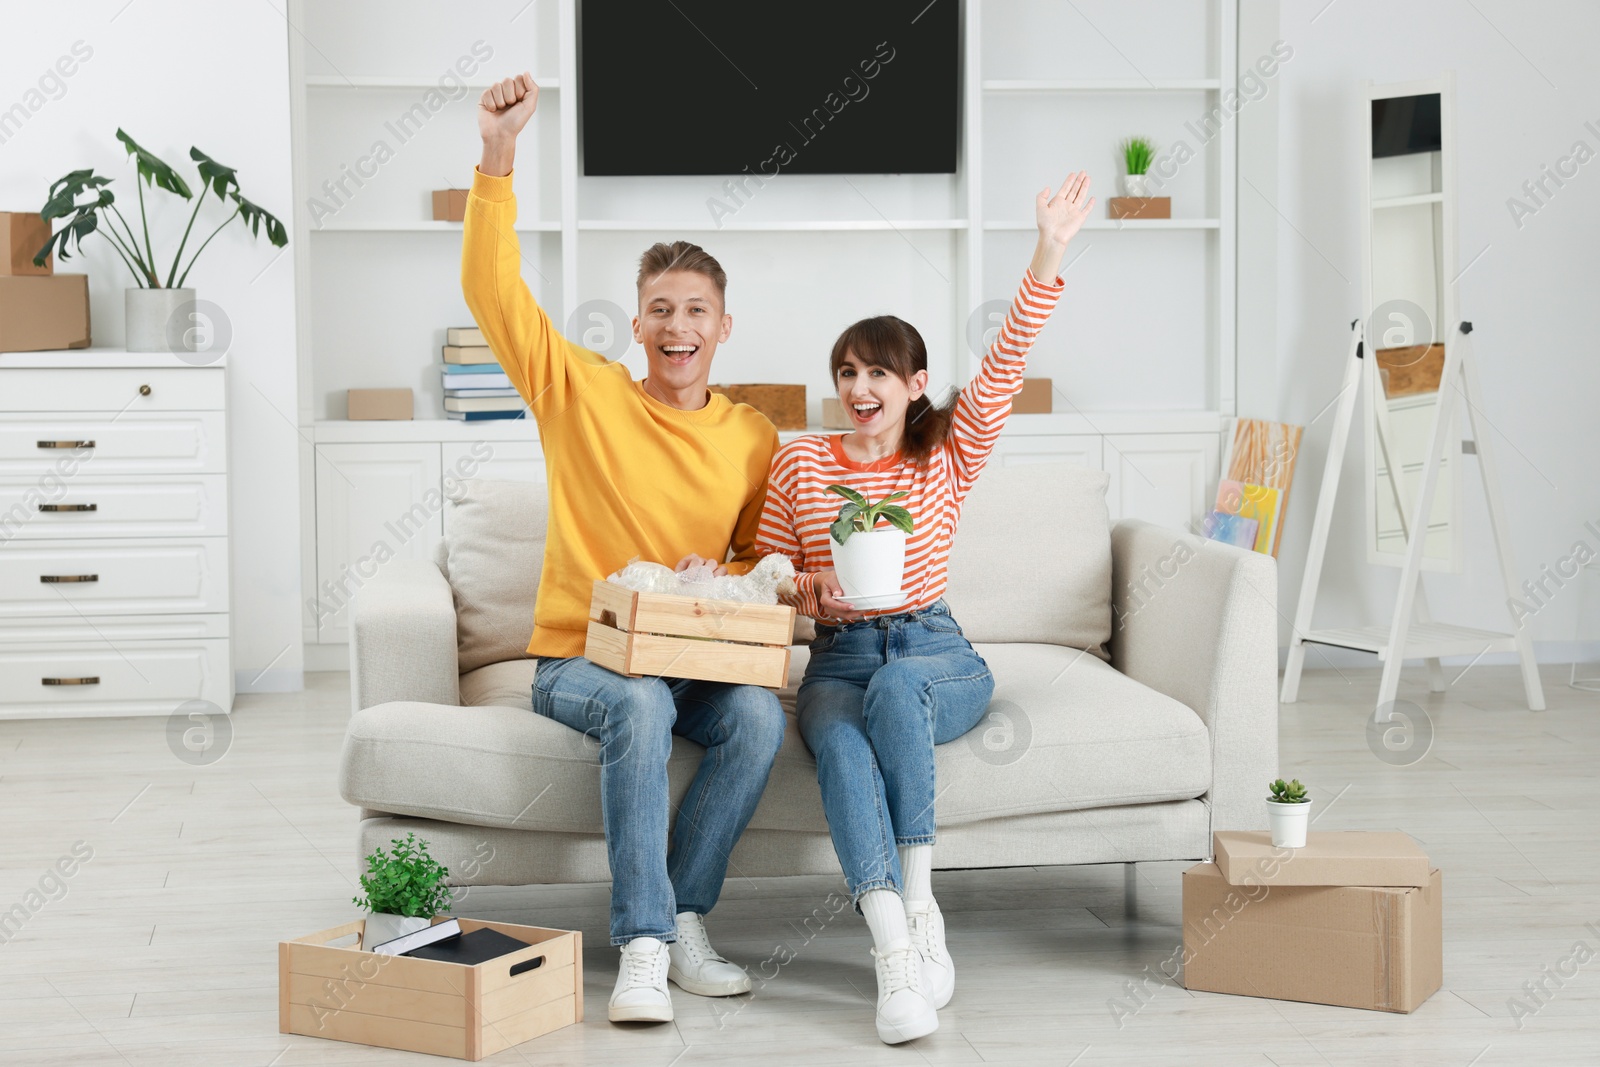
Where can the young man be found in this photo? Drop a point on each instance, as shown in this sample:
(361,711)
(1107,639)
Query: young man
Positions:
(661,469)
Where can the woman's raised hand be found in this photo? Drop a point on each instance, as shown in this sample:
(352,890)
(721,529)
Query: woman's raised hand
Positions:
(1060,214)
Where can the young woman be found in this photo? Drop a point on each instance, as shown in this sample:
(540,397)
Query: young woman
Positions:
(884,687)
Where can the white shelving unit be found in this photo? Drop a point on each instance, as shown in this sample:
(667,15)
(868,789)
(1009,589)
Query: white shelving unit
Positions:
(1145,337)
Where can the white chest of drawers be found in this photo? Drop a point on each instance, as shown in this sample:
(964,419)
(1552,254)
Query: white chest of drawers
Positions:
(114,563)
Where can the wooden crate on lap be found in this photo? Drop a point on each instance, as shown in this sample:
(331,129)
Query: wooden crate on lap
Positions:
(657,634)
(423,1005)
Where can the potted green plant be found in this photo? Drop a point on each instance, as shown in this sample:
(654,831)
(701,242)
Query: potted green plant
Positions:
(1137,154)
(870,562)
(156,298)
(404,888)
(1287,810)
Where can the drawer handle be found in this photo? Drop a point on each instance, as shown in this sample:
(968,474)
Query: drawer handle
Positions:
(69,507)
(65,444)
(69,577)
(144,390)
(93,679)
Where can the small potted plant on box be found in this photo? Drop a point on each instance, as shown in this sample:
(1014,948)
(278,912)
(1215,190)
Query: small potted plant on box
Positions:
(1287,811)
(154,308)
(870,562)
(404,889)
(1137,154)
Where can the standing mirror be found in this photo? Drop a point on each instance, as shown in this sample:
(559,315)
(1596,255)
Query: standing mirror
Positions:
(1409,275)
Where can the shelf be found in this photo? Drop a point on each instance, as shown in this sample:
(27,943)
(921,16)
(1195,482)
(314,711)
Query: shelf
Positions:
(1119,224)
(424,226)
(1408,201)
(798,226)
(1160,85)
(339,81)
(101,357)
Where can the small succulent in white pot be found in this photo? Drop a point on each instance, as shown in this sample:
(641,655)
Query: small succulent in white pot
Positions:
(1288,812)
(404,888)
(1137,154)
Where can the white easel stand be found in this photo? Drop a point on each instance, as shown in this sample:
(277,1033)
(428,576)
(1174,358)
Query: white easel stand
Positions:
(1412,634)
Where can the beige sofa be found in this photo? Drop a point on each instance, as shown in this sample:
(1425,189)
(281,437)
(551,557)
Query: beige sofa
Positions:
(1135,706)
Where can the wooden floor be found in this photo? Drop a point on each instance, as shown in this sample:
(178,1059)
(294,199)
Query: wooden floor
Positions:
(163,949)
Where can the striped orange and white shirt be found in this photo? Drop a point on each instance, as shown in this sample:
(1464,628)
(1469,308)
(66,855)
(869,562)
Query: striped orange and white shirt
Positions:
(799,509)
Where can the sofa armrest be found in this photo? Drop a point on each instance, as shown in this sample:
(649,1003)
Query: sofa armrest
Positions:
(403,637)
(1197,620)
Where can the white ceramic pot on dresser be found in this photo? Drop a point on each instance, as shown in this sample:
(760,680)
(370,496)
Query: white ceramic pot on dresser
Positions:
(114,565)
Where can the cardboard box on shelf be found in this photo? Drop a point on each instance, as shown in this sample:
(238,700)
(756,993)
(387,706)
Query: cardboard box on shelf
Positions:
(1139,207)
(1034,399)
(785,405)
(450,205)
(42,314)
(380,404)
(1248,857)
(833,415)
(1260,931)
(22,234)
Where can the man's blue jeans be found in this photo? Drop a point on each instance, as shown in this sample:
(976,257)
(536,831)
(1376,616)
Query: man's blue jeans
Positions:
(877,696)
(632,720)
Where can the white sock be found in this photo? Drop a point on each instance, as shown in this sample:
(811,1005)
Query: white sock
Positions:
(885,913)
(916,873)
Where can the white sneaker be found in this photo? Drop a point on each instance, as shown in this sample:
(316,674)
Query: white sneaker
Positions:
(905,1011)
(697,968)
(927,937)
(641,993)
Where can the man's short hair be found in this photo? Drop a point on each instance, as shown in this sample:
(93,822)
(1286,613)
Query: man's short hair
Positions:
(662,257)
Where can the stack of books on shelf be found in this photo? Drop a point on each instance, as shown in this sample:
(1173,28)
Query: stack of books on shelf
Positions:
(475,388)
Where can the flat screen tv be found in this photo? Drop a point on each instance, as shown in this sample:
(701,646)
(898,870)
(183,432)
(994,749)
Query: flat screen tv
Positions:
(717,87)
(1403,125)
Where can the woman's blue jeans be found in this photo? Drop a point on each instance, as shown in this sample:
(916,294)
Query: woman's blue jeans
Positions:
(633,720)
(877,696)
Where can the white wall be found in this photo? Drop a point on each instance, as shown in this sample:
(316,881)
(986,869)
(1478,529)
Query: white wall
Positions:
(1526,86)
(176,73)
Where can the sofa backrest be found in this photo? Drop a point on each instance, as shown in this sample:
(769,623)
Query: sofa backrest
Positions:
(1032,557)
(1031,561)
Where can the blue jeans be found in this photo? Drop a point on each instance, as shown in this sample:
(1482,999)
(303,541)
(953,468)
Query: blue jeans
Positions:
(633,720)
(877,696)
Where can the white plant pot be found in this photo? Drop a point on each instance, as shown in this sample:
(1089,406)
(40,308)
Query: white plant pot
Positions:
(1136,185)
(148,313)
(1288,823)
(870,564)
(381,926)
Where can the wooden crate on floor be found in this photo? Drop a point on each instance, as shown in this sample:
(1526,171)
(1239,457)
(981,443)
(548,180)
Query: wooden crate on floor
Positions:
(421,1005)
(656,634)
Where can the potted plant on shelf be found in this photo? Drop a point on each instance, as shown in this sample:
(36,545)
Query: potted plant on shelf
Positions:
(403,890)
(151,305)
(1287,811)
(870,562)
(1137,154)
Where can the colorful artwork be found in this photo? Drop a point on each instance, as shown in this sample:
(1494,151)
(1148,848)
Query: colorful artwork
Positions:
(1259,502)
(1233,530)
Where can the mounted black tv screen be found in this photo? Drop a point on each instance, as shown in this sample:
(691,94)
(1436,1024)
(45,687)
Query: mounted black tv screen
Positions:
(1404,125)
(715,87)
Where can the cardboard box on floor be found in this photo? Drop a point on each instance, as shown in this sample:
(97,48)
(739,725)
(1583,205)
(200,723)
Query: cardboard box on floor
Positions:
(43,314)
(1263,934)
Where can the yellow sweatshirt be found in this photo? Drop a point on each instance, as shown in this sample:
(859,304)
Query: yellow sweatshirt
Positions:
(628,475)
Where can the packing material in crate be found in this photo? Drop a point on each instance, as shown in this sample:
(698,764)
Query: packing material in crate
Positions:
(44,313)
(431,1006)
(785,405)
(1261,931)
(658,634)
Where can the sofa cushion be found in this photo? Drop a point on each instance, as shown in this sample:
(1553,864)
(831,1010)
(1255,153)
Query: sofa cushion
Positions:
(1032,557)
(1065,732)
(494,552)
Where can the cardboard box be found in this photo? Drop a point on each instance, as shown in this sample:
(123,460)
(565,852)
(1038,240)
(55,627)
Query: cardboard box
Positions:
(834,416)
(1375,947)
(42,314)
(1248,857)
(421,1005)
(1034,399)
(660,635)
(450,205)
(785,405)
(22,234)
(1139,207)
(379,404)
